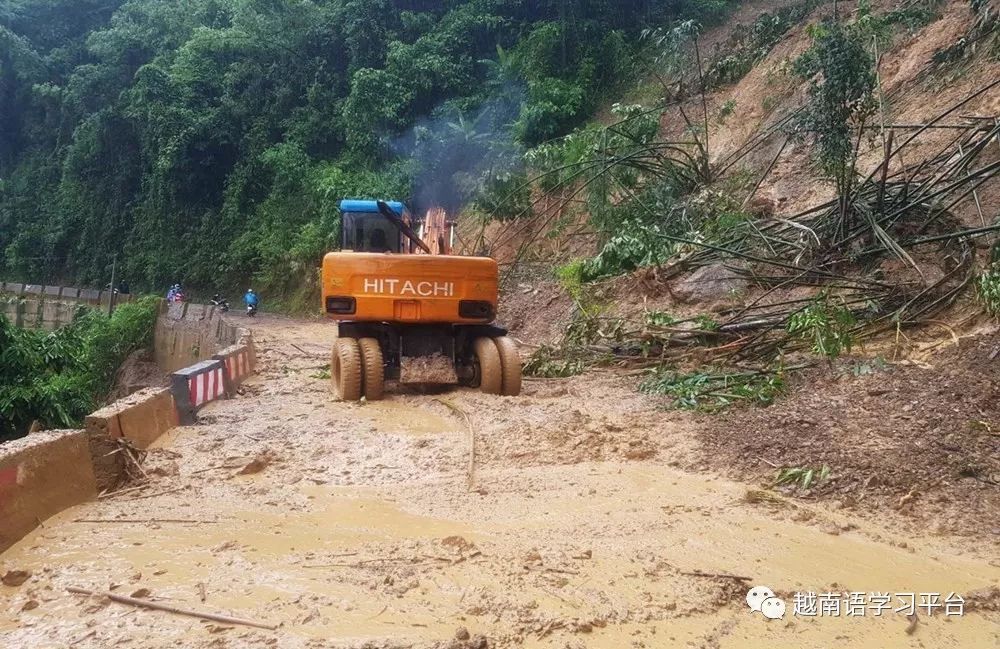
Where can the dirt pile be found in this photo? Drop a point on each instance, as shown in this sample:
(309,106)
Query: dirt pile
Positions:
(923,441)
(534,306)
(137,372)
(581,419)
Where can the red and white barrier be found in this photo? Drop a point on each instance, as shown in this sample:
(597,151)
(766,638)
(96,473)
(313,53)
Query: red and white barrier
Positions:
(195,386)
(240,360)
(206,387)
(238,365)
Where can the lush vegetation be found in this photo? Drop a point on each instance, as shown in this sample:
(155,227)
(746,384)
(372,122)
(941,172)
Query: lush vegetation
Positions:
(710,391)
(59,377)
(988,288)
(654,200)
(207,141)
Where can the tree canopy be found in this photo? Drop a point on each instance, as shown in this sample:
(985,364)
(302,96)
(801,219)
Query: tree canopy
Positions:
(207,141)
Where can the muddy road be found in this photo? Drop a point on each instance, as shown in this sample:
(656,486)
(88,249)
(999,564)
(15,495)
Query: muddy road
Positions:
(567,517)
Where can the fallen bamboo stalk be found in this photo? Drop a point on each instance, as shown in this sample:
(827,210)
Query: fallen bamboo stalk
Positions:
(961,127)
(142,603)
(227,467)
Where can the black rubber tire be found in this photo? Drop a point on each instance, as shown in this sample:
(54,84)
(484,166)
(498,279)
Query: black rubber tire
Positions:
(510,364)
(345,369)
(490,367)
(374,369)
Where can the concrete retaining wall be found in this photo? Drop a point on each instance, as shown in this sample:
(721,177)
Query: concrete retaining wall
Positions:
(187,333)
(34,306)
(41,475)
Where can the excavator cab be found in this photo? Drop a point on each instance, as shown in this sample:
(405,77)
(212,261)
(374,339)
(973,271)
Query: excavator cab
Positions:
(375,226)
(408,311)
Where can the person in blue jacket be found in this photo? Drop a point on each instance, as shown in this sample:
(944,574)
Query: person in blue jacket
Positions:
(251,299)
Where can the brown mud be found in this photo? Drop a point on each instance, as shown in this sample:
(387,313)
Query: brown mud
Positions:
(920,438)
(137,372)
(578,522)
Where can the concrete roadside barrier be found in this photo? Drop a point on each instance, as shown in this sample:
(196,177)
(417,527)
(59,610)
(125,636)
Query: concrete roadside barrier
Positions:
(90,295)
(41,475)
(239,362)
(140,417)
(245,338)
(195,386)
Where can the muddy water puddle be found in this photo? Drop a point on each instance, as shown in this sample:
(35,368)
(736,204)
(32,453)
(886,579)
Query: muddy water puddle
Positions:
(354,564)
(398,417)
(249,560)
(704,526)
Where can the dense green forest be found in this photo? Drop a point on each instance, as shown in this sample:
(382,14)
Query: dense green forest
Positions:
(208,141)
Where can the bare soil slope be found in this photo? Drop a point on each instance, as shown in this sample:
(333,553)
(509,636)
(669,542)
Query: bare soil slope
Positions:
(919,439)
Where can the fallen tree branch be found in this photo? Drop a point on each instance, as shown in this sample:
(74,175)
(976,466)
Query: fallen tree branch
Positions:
(158,493)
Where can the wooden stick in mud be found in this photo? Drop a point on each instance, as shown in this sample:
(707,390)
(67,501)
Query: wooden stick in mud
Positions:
(716,575)
(142,603)
(304,351)
(110,494)
(158,493)
(472,440)
(141,521)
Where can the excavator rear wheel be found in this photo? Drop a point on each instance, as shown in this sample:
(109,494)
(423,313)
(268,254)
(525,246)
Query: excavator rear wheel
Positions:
(490,365)
(374,369)
(510,364)
(345,369)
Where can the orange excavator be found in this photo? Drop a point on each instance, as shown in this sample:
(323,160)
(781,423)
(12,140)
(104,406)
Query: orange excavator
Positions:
(404,313)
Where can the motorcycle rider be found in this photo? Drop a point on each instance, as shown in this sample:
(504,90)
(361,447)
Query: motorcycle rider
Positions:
(175,294)
(251,300)
(219,302)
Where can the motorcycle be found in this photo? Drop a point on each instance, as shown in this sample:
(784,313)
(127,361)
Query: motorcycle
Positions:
(222,304)
(251,310)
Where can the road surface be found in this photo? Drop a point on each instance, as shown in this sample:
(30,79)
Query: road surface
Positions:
(562,518)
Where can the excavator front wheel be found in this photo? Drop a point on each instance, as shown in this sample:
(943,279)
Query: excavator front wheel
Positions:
(345,369)
(510,366)
(373,369)
(490,368)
